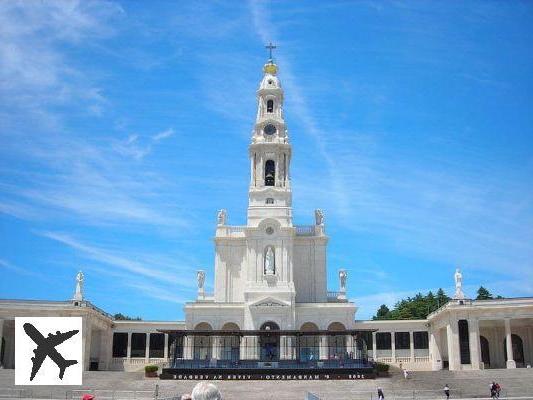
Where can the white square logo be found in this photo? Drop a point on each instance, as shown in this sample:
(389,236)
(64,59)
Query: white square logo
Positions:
(48,351)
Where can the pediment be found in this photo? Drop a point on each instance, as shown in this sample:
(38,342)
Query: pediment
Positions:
(269,302)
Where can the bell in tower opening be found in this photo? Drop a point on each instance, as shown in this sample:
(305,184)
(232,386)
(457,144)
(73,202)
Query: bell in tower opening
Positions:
(270,106)
(270,173)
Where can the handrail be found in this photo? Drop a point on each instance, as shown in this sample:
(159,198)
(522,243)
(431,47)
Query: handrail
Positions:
(305,230)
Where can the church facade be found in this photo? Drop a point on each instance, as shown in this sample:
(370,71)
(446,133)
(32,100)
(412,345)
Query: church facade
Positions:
(271,302)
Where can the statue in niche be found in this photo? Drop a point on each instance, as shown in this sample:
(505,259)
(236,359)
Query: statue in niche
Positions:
(270,261)
(200,277)
(319,217)
(342,280)
(221,217)
(459,284)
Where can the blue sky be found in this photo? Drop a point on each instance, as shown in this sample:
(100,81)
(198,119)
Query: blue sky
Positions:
(124,127)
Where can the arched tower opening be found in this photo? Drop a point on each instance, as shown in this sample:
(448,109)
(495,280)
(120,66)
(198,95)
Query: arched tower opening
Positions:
(270,106)
(270,173)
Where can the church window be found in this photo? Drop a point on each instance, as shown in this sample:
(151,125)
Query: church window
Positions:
(270,200)
(270,173)
(383,341)
(270,106)
(401,340)
(421,340)
(138,345)
(120,344)
(366,336)
(157,345)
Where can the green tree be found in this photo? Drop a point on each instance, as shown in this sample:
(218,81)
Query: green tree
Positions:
(484,294)
(418,307)
(382,313)
(122,317)
(442,298)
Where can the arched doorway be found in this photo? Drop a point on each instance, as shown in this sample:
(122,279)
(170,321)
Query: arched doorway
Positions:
(269,343)
(485,351)
(336,343)
(230,344)
(202,345)
(308,345)
(518,349)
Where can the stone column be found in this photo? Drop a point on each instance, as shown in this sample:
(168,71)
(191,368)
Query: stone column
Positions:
(323,348)
(277,180)
(255,353)
(475,346)
(436,358)
(86,343)
(215,347)
(243,348)
(260,170)
(374,347)
(252,173)
(1,335)
(453,345)
(393,346)
(106,349)
(188,347)
(147,351)
(287,347)
(509,344)
(530,341)
(350,346)
(165,349)
(412,345)
(87,350)
(283,347)
(128,351)
(249,348)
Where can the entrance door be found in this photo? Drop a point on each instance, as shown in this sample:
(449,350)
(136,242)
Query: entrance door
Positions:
(269,343)
(485,354)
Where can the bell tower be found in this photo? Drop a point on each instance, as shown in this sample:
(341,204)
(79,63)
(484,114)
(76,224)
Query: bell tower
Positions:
(270,154)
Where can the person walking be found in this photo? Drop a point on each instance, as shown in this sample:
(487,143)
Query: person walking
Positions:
(498,390)
(447,391)
(381,396)
(493,390)
(406,374)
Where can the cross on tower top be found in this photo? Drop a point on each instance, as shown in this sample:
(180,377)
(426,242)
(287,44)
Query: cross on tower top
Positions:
(270,47)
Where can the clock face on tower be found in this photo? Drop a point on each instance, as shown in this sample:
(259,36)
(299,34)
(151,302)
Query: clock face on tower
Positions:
(269,129)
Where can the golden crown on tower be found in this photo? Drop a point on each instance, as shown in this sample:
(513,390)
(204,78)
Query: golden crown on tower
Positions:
(270,68)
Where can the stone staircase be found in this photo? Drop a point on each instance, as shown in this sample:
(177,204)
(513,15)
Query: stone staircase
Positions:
(420,386)
(514,382)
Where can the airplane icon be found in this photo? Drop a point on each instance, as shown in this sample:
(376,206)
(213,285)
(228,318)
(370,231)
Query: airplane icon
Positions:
(46,347)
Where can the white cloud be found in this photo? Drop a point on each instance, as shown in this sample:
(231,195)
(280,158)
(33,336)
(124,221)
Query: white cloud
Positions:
(163,134)
(150,267)
(34,73)
(138,147)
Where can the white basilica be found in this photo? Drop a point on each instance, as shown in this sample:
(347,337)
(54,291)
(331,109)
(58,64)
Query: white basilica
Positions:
(271,275)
